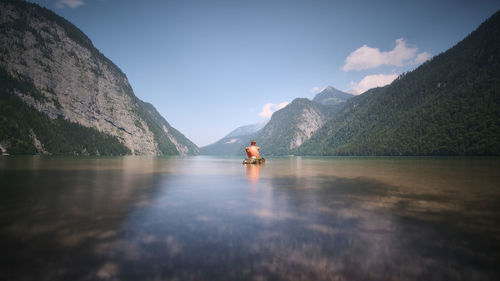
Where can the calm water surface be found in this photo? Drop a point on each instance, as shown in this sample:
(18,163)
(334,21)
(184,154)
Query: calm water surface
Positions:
(200,218)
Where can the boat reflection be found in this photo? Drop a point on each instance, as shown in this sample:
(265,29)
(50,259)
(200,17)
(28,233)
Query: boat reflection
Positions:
(252,172)
(200,218)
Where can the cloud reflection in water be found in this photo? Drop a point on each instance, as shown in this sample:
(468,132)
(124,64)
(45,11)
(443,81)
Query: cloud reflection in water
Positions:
(138,218)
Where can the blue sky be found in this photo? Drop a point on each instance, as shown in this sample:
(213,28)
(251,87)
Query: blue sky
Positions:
(211,66)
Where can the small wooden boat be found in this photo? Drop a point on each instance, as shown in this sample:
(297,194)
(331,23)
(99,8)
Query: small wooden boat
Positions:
(257,161)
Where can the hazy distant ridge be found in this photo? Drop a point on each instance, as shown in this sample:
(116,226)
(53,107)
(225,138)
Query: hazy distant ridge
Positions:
(246,130)
(234,142)
(288,128)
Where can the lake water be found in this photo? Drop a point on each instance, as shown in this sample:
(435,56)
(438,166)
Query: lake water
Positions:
(295,218)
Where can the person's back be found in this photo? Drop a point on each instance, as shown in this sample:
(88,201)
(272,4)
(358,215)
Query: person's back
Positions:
(253,150)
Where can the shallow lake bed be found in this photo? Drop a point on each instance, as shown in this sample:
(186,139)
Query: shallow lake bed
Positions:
(294,218)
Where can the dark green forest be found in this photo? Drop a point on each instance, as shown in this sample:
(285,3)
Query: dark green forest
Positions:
(450,105)
(19,121)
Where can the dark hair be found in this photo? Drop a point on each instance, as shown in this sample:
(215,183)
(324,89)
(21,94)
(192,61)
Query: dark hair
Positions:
(253,142)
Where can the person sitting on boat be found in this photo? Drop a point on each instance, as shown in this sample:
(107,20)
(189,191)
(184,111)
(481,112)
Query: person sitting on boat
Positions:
(253,150)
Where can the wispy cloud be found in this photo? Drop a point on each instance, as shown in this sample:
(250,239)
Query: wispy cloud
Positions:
(60,4)
(269,108)
(422,57)
(372,81)
(315,90)
(367,57)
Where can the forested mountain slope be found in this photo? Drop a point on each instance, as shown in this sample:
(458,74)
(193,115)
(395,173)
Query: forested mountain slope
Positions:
(447,106)
(288,128)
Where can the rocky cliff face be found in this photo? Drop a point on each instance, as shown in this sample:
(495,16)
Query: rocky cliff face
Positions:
(77,83)
(311,119)
(288,128)
(291,126)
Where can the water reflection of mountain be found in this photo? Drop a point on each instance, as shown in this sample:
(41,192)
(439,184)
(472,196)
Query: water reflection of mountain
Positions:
(61,210)
(213,218)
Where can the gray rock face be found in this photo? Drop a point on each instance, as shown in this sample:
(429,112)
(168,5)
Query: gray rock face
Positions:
(78,83)
(311,119)
(291,126)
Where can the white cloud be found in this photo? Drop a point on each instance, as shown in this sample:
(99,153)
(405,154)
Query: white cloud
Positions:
(231,141)
(315,90)
(422,57)
(269,108)
(367,57)
(372,81)
(69,3)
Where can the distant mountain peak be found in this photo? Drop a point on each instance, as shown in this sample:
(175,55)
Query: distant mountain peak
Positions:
(234,143)
(246,130)
(330,96)
(289,127)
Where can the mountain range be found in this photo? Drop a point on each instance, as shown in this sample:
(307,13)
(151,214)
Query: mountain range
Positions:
(450,105)
(288,128)
(60,95)
(234,142)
